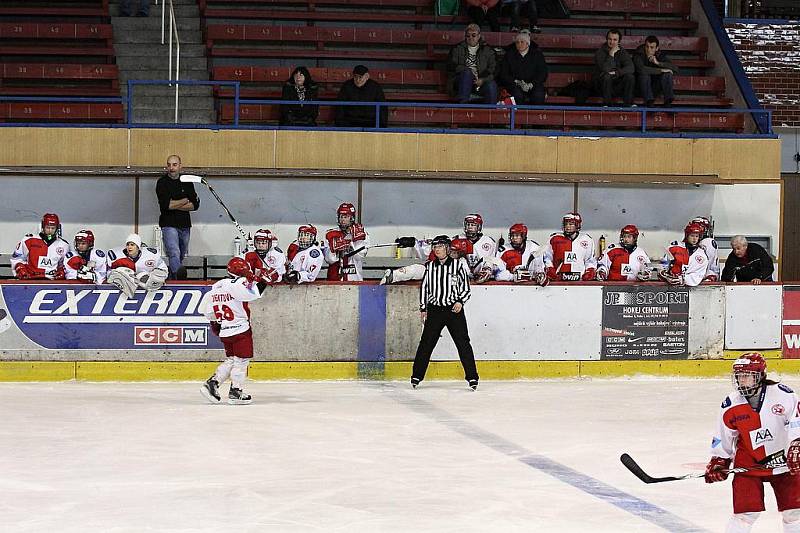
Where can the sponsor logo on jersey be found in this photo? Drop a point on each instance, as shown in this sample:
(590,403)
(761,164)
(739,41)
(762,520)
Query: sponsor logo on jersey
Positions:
(761,436)
(585,244)
(738,418)
(314,253)
(570,276)
(726,402)
(778,409)
(146,335)
(100,317)
(150,263)
(46,262)
(715,442)
(785,388)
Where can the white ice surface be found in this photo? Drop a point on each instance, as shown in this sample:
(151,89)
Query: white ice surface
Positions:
(360,456)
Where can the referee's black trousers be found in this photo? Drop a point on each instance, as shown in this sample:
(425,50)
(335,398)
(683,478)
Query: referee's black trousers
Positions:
(456,323)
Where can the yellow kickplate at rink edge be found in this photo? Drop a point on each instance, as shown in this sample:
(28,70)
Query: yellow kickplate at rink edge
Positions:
(37,370)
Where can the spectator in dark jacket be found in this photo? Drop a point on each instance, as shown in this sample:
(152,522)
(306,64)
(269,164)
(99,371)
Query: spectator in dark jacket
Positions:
(483,11)
(300,86)
(360,89)
(524,71)
(748,262)
(471,65)
(613,70)
(654,72)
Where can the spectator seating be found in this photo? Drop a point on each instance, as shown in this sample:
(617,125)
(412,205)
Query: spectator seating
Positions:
(57,49)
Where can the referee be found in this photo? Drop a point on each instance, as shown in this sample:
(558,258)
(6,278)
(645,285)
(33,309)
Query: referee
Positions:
(444,289)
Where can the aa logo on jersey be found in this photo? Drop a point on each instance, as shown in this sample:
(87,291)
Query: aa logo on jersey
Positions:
(145,335)
(761,436)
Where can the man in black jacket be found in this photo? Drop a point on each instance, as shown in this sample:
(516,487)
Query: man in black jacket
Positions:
(175,200)
(613,70)
(360,89)
(748,262)
(524,71)
(654,72)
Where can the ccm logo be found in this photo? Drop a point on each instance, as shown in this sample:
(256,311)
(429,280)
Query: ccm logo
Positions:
(169,335)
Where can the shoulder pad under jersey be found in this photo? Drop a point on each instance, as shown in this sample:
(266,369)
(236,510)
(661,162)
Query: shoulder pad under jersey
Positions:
(152,250)
(726,402)
(784,388)
(100,253)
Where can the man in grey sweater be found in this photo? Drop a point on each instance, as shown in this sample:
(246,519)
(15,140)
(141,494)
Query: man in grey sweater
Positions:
(613,70)
(654,72)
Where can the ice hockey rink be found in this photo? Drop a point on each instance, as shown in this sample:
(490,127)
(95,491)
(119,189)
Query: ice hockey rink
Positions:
(361,456)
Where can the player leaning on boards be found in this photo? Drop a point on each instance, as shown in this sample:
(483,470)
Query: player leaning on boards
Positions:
(225,306)
(444,290)
(758,429)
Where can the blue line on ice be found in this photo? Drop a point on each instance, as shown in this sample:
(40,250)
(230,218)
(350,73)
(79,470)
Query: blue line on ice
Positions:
(603,491)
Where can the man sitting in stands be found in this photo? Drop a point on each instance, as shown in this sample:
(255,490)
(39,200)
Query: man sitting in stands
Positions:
(613,70)
(360,89)
(471,67)
(654,72)
(524,71)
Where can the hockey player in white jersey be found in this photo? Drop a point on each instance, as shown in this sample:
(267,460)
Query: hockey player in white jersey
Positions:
(569,255)
(267,260)
(521,257)
(226,307)
(133,266)
(709,246)
(41,256)
(305,258)
(758,428)
(687,263)
(482,246)
(86,262)
(624,261)
(346,246)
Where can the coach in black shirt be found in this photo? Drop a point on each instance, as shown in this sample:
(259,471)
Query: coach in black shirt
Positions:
(444,290)
(175,200)
(748,263)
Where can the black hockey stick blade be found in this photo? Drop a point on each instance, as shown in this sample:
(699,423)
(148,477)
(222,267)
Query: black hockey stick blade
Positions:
(637,471)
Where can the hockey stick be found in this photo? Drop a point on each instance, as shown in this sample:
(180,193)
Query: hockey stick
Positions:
(384,245)
(637,471)
(192,178)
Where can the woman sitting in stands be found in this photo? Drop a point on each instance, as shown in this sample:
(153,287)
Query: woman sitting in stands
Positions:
(299,87)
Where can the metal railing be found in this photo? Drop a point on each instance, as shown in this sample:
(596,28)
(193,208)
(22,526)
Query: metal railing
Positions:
(173,33)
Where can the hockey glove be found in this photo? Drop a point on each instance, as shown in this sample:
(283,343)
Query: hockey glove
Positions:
(643,275)
(602,275)
(216,327)
(542,279)
(23,271)
(672,279)
(793,457)
(406,242)
(358,232)
(551,273)
(483,275)
(716,470)
(268,275)
(87,274)
(293,276)
(711,277)
(588,274)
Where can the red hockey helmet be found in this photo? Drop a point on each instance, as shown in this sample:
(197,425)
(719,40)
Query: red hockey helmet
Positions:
(306,236)
(238,267)
(51,219)
(520,230)
(461,247)
(749,373)
(693,227)
(264,236)
(473,225)
(346,209)
(706,223)
(629,229)
(572,217)
(84,236)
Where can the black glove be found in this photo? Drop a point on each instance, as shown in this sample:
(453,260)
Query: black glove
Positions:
(293,276)
(406,242)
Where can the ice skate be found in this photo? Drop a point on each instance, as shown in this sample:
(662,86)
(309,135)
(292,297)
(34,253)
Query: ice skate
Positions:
(414,382)
(237,397)
(210,390)
(473,384)
(387,277)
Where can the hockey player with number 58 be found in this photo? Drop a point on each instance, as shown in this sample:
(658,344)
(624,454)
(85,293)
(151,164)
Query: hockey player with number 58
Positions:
(758,428)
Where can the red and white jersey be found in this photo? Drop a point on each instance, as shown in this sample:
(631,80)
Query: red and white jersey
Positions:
(570,257)
(621,265)
(274,259)
(484,247)
(95,260)
(692,267)
(758,437)
(709,246)
(519,259)
(342,268)
(306,262)
(42,258)
(226,303)
(148,260)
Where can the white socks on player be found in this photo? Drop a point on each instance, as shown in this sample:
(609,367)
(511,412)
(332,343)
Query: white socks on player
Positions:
(239,371)
(741,522)
(224,370)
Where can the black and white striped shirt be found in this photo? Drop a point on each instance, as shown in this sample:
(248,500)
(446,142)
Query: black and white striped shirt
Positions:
(444,284)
